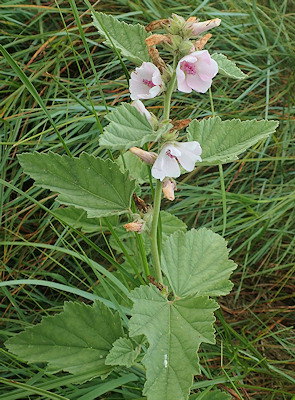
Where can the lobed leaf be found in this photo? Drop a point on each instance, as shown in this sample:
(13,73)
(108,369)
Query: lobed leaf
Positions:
(223,141)
(122,353)
(174,329)
(227,67)
(92,184)
(196,263)
(77,218)
(130,39)
(127,128)
(76,340)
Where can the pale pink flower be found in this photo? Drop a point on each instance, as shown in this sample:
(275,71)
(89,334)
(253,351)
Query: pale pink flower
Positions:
(195,72)
(204,26)
(141,108)
(172,154)
(146,82)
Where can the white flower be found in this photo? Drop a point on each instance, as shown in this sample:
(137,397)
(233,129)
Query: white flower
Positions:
(200,27)
(167,163)
(146,82)
(141,108)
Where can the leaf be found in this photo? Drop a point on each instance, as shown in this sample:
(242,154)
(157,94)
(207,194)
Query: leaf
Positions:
(122,353)
(76,340)
(174,329)
(170,223)
(223,141)
(227,67)
(196,263)
(77,218)
(213,395)
(130,39)
(138,170)
(93,184)
(127,128)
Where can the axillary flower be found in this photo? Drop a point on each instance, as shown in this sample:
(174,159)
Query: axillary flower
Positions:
(195,72)
(146,82)
(172,154)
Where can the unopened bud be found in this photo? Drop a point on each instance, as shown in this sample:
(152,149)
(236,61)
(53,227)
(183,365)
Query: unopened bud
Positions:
(146,156)
(135,226)
(200,27)
(168,188)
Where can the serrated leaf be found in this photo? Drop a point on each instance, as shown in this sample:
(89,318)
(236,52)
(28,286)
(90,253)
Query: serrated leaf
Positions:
(196,263)
(77,218)
(76,340)
(213,395)
(227,67)
(127,128)
(130,39)
(174,329)
(122,353)
(171,223)
(138,170)
(223,141)
(93,184)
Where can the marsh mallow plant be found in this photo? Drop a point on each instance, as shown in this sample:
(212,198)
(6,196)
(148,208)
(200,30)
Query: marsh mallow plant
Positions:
(161,305)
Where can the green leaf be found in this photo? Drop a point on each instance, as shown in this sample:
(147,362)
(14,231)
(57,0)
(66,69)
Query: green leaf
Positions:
(174,329)
(227,67)
(196,263)
(93,184)
(127,128)
(76,340)
(77,218)
(122,353)
(213,395)
(130,39)
(223,141)
(138,170)
(170,223)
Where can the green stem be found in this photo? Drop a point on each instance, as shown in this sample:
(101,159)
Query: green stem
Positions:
(168,95)
(154,232)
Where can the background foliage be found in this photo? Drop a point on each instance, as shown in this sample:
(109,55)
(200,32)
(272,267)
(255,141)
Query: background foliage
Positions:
(78,80)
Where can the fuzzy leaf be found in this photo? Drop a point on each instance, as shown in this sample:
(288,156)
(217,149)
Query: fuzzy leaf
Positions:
(196,263)
(130,39)
(93,184)
(122,353)
(213,395)
(227,67)
(76,340)
(223,141)
(171,223)
(174,329)
(77,218)
(127,128)
(138,170)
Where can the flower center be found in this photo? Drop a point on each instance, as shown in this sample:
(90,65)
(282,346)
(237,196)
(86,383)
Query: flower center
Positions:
(188,68)
(168,153)
(150,84)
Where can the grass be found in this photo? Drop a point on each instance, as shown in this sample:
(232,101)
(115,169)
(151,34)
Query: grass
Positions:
(66,82)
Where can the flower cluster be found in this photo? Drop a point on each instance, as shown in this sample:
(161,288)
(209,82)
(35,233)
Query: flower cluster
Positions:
(194,72)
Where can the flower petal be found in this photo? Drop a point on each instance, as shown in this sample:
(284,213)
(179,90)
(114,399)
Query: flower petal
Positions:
(164,166)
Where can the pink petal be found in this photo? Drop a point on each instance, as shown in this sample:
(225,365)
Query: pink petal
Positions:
(197,84)
(200,27)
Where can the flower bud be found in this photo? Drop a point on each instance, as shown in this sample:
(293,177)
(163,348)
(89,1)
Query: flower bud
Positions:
(135,226)
(168,188)
(146,156)
(200,27)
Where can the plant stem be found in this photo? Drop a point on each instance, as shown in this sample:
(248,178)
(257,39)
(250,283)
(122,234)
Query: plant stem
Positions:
(154,231)
(168,95)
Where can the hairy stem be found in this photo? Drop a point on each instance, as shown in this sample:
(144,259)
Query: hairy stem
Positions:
(154,232)
(158,191)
